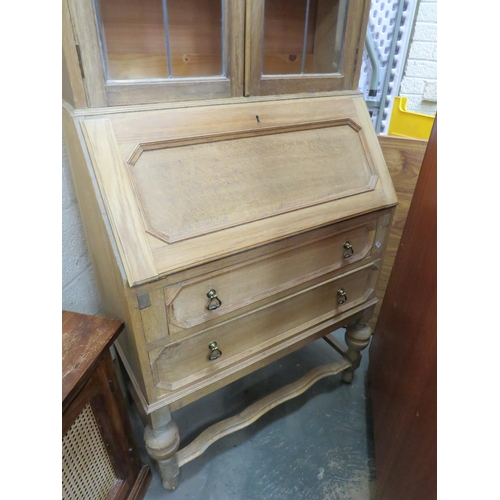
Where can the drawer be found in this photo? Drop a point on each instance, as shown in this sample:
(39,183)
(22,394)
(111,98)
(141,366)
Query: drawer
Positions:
(192,302)
(186,361)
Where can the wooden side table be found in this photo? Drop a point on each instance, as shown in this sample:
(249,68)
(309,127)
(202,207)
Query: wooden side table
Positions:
(100,458)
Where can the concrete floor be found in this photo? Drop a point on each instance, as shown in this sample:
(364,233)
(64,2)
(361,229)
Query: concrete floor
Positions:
(317,446)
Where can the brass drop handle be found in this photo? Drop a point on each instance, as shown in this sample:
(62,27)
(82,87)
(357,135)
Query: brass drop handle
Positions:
(215,302)
(215,352)
(349,251)
(342,296)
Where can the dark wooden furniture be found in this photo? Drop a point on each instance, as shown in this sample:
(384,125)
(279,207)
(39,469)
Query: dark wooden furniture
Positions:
(403,356)
(404,158)
(100,459)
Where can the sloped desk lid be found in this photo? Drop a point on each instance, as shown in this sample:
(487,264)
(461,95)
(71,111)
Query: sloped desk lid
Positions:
(189,185)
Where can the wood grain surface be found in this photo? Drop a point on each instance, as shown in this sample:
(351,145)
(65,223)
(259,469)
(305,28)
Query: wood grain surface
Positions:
(111,142)
(404,159)
(274,47)
(403,354)
(90,382)
(250,414)
(118,196)
(84,339)
(191,190)
(135,38)
(258,279)
(181,363)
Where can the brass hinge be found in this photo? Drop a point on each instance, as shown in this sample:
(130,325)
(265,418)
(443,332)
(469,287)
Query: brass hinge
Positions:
(79,54)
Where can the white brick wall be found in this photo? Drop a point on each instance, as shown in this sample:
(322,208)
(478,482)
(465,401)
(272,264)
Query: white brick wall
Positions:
(419,81)
(79,291)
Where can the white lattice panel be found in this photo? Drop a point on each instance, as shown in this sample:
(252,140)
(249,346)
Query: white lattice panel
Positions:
(382,27)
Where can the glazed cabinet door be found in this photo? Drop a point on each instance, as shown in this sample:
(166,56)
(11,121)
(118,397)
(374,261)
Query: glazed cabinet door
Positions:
(147,51)
(119,52)
(295,46)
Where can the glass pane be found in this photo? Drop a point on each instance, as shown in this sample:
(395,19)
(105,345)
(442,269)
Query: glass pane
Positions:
(195,29)
(146,39)
(303,36)
(133,37)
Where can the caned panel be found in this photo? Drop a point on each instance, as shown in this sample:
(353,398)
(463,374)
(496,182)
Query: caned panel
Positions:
(87,472)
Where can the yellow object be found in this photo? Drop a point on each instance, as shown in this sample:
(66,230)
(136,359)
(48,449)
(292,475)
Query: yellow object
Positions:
(407,123)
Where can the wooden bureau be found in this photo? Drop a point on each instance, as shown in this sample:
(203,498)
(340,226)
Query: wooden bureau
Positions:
(225,242)
(225,231)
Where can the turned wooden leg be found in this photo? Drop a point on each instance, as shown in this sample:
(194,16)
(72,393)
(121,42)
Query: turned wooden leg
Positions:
(357,337)
(162,443)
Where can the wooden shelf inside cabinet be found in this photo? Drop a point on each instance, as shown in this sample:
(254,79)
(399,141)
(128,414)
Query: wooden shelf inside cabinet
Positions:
(305,46)
(148,51)
(100,458)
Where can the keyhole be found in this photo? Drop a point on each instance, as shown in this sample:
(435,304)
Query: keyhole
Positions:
(257,118)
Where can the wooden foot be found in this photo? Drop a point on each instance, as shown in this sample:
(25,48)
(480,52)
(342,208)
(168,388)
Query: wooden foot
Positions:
(357,337)
(162,442)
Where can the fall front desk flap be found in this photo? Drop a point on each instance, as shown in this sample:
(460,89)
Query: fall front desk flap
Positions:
(185,186)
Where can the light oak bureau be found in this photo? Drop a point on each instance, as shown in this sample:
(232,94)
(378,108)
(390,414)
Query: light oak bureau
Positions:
(227,232)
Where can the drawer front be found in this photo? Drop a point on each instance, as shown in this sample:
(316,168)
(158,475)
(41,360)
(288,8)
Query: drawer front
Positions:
(184,362)
(200,300)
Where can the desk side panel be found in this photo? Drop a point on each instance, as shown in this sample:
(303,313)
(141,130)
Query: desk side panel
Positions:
(117,299)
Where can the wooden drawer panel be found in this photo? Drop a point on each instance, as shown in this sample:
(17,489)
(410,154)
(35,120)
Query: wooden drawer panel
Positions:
(239,286)
(181,363)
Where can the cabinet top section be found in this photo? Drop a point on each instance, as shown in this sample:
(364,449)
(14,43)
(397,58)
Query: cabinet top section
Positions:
(84,339)
(186,186)
(128,52)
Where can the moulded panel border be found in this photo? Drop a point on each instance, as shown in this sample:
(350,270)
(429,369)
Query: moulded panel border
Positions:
(141,148)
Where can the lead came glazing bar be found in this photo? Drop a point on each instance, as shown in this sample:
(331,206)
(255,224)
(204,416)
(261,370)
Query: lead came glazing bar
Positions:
(223,30)
(167,37)
(102,40)
(304,44)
